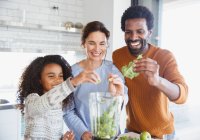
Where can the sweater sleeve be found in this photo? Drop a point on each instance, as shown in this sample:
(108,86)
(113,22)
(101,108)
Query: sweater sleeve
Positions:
(36,104)
(183,94)
(170,72)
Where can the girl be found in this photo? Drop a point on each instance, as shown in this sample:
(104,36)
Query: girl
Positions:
(44,86)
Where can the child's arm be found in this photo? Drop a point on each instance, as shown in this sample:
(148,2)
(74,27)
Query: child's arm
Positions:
(39,104)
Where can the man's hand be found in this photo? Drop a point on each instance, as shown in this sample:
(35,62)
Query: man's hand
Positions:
(149,68)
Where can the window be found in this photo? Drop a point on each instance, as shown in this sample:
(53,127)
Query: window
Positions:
(180,34)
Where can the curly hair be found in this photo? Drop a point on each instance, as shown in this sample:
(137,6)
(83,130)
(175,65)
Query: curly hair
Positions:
(93,27)
(30,79)
(138,12)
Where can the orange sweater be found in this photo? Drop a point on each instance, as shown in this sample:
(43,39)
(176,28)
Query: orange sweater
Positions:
(147,108)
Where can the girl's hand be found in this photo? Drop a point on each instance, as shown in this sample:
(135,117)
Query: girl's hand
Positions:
(69,135)
(85,76)
(86,136)
(116,86)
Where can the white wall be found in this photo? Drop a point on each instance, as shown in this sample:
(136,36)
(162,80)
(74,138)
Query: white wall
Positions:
(101,10)
(118,34)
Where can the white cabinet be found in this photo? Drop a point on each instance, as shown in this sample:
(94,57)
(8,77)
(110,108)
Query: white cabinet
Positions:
(10,124)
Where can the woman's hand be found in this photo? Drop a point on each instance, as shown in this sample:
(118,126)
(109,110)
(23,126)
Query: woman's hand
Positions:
(85,76)
(69,135)
(86,136)
(116,86)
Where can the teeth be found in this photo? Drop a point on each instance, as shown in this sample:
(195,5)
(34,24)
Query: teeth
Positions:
(135,43)
(96,54)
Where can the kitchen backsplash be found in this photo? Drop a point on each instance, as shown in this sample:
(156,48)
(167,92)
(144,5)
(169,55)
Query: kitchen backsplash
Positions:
(30,40)
(46,13)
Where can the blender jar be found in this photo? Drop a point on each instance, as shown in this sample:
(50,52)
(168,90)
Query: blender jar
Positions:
(104,115)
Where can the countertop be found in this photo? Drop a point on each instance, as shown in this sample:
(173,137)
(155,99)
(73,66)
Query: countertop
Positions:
(7,106)
(7,99)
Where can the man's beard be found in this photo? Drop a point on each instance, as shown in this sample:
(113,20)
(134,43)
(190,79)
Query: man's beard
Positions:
(136,52)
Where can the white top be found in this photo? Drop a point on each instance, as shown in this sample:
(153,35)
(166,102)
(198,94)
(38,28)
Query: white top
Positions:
(43,114)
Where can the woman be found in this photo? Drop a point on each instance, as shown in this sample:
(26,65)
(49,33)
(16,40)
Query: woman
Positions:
(95,41)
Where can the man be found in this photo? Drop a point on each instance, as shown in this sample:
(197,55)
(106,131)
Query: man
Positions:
(158,81)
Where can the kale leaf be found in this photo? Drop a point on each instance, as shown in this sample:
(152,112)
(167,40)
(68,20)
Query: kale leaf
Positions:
(128,72)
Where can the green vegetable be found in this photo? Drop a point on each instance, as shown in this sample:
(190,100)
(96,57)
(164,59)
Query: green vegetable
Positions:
(106,126)
(139,57)
(98,82)
(127,138)
(128,72)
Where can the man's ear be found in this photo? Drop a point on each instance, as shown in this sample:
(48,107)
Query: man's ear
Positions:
(150,33)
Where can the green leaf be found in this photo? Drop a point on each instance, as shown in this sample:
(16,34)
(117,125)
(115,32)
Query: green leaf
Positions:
(128,72)
(139,57)
(106,128)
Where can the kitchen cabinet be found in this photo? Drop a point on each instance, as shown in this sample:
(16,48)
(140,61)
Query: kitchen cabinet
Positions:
(10,122)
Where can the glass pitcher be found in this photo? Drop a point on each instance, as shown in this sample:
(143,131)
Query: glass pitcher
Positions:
(104,115)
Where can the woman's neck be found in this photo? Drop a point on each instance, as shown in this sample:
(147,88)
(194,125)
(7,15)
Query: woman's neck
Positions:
(90,64)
